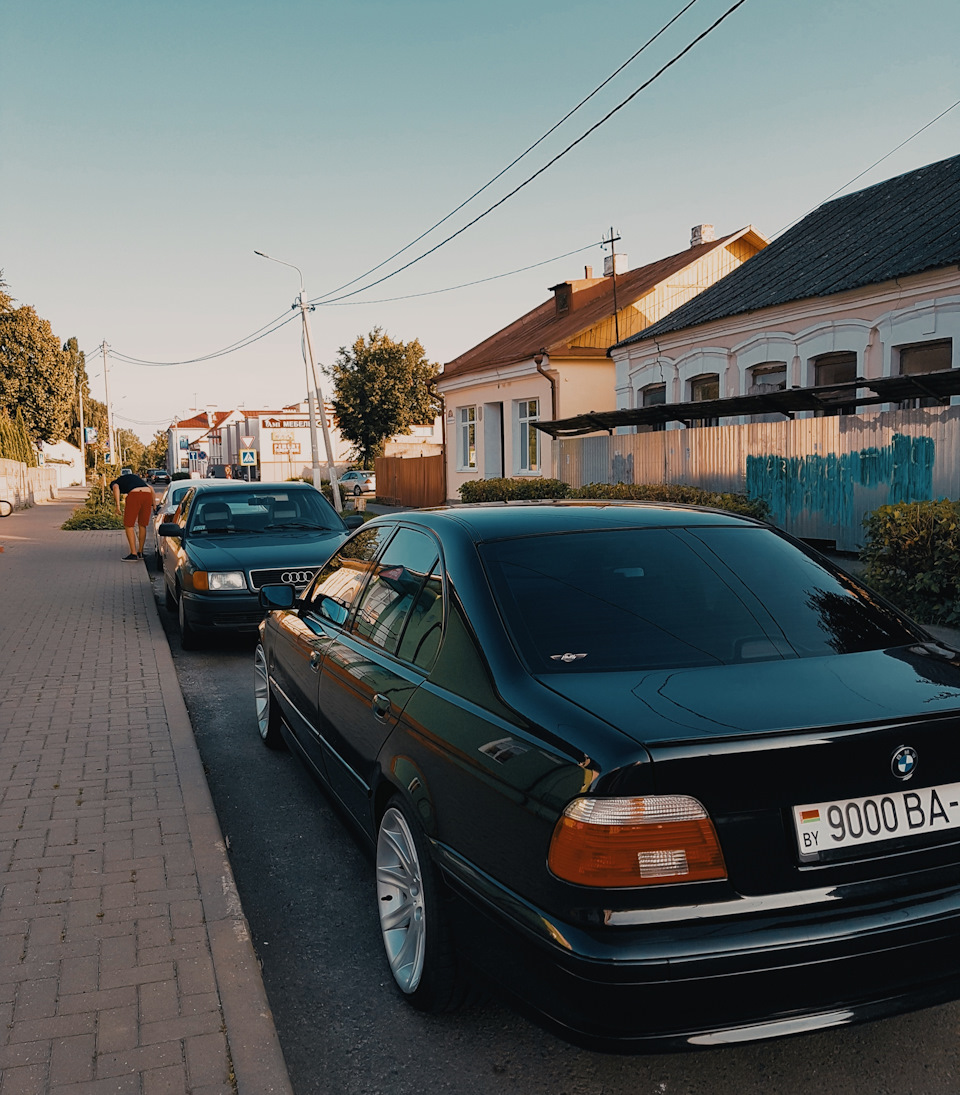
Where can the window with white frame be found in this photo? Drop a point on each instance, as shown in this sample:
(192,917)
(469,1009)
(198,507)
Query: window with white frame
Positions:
(703,388)
(528,436)
(836,368)
(653,395)
(467,442)
(924,357)
(771,376)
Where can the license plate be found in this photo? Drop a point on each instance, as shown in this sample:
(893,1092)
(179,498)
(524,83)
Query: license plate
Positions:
(824,826)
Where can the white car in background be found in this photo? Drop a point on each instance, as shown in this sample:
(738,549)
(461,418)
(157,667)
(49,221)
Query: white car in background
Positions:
(359,482)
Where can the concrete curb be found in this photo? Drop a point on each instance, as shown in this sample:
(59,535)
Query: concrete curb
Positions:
(258,1063)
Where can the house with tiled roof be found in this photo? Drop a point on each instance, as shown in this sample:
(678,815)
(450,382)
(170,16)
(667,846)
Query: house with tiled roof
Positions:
(865,288)
(553,360)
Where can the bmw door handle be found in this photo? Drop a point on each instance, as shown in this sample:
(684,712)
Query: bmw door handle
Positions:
(381,705)
(315,659)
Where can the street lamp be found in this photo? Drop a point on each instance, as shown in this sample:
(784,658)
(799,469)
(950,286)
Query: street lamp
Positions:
(311,370)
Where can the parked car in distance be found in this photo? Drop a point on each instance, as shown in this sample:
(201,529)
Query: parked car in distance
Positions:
(157,475)
(359,482)
(666,775)
(167,507)
(226,471)
(227,539)
(126,471)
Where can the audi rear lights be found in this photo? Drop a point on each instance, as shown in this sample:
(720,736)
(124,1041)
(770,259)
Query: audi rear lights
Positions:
(651,840)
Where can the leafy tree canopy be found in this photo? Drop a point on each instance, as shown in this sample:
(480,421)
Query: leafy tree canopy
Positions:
(36,375)
(381,389)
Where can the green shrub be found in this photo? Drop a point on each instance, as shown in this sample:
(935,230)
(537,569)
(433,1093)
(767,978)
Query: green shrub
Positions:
(676,492)
(512,490)
(179,475)
(98,512)
(912,556)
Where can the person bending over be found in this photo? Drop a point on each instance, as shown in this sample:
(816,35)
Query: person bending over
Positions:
(136,511)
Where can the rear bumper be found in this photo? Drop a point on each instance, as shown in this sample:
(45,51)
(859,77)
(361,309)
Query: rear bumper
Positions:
(715,982)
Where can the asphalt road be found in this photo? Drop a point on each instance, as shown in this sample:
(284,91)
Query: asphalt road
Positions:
(307,888)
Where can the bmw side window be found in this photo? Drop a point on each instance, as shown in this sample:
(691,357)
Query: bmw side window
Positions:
(336,586)
(409,560)
(420,640)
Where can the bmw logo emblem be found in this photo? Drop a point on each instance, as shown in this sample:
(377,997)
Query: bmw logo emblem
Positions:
(904,762)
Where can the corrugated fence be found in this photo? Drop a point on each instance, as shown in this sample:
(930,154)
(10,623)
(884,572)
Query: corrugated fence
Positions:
(820,476)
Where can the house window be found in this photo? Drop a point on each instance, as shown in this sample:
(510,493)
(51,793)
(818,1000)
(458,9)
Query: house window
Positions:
(771,376)
(654,395)
(836,369)
(925,357)
(703,388)
(528,436)
(467,446)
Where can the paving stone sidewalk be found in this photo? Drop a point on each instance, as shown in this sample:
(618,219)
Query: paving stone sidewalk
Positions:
(125,960)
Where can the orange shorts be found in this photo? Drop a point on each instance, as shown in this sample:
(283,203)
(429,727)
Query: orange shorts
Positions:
(137,508)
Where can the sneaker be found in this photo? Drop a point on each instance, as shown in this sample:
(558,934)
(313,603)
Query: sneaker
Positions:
(130,558)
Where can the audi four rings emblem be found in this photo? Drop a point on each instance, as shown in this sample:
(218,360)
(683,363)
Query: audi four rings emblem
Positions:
(904,762)
(296,577)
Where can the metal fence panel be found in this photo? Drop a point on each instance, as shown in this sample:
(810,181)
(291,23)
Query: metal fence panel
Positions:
(820,476)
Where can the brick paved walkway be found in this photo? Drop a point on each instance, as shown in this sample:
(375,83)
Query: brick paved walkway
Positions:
(125,959)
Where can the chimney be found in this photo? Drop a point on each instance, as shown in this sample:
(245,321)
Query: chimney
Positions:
(588,272)
(702,233)
(614,264)
(562,297)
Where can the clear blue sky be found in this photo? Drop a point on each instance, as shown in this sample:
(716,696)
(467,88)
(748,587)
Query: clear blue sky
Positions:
(146,150)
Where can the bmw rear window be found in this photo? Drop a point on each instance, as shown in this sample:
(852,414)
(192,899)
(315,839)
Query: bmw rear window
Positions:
(657,598)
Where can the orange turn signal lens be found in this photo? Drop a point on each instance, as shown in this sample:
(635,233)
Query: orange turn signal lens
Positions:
(653,840)
(199,580)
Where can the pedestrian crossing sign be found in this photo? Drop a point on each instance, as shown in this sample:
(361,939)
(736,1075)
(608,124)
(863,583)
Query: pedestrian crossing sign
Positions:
(248,458)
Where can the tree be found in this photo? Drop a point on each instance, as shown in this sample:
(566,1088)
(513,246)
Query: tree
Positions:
(155,455)
(36,376)
(381,388)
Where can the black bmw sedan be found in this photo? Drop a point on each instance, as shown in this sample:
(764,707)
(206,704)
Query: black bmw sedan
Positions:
(223,543)
(663,774)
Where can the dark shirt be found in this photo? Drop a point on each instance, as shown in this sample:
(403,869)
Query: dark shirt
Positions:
(128,482)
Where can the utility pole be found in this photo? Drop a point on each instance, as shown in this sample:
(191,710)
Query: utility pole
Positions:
(613,273)
(106,394)
(313,395)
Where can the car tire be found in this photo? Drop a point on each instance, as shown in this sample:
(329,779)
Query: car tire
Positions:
(413,921)
(169,601)
(189,639)
(268,714)
(358,490)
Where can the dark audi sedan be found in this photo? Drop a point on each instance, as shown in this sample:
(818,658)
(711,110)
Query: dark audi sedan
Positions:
(224,543)
(662,773)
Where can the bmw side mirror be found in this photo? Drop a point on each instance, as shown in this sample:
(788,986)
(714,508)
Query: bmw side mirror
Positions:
(169,528)
(353,520)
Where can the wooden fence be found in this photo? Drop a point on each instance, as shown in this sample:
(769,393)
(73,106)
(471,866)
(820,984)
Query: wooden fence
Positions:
(417,482)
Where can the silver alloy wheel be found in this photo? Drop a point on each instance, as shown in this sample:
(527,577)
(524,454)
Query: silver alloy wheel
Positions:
(261,691)
(400,900)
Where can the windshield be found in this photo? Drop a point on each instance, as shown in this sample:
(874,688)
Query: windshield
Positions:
(261,510)
(659,598)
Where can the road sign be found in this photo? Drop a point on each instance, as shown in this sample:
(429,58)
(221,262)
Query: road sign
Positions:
(248,458)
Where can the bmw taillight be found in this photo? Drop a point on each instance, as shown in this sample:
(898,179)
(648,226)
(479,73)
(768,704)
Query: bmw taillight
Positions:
(651,840)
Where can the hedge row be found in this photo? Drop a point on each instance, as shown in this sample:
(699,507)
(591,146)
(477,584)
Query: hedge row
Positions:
(97,512)
(511,490)
(912,556)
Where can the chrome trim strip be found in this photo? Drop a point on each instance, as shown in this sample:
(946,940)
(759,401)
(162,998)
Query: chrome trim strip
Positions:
(742,906)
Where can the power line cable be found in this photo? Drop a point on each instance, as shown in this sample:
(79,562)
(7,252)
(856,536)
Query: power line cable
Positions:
(513,162)
(240,344)
(466,284)
(700,37)
(866,170)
